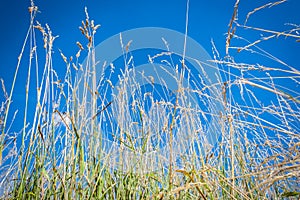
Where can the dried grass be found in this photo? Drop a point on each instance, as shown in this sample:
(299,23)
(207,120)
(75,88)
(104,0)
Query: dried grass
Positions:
(67,154)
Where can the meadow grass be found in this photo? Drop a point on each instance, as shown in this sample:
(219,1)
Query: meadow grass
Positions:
(70,154)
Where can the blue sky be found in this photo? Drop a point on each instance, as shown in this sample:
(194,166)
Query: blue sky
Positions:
(207,20)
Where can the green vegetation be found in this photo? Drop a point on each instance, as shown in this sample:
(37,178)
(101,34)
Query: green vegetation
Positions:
(255,157)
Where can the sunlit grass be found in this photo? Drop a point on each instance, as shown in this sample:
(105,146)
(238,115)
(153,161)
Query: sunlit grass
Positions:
(158,152)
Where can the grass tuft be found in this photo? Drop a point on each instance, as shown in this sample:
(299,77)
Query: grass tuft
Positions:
(83,145)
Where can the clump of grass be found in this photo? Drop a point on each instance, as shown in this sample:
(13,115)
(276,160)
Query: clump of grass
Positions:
(157,152)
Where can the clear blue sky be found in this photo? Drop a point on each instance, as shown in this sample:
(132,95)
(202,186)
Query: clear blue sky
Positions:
(207,20)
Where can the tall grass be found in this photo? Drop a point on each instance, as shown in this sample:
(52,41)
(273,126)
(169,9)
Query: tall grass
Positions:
(83,145)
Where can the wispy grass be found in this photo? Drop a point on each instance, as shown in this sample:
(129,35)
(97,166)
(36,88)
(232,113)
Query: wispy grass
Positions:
(83,145)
